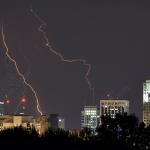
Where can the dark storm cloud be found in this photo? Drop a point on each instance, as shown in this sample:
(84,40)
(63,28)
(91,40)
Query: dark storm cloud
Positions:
(111,35)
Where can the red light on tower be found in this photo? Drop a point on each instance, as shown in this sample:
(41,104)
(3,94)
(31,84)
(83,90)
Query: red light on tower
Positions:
(23,107)
(7,101)
(23,100)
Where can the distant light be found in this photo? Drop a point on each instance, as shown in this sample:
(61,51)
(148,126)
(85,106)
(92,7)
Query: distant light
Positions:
(21,113)
(23,100)
(7,101)
(23,107)
(59,120)
(108,95)
(1,102)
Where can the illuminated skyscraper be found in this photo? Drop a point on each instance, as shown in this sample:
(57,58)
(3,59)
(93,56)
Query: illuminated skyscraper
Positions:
(89,117)
(113,107)
(146,91)
(146,102)
(1,108)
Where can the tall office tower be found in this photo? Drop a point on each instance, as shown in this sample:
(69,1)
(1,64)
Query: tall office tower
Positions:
(146,102)
(1,108)
(113,107)
(61,123)
(89,117)
(55,121)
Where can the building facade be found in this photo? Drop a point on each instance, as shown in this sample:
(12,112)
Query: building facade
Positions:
(1,108)
(90,117)
(10,121)
(56,121)
(113,107)
(146,102)
(41,124)
(61,123)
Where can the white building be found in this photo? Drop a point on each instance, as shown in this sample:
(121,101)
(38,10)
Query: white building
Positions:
(89,117)
(146,91)
(146,102)
(1,108)
(113,107)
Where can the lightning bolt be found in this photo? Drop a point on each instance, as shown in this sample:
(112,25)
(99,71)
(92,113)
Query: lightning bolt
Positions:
(27,72)
(19,72)
(83,61)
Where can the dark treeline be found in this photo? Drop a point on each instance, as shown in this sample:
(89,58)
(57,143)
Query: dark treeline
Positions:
(123,132)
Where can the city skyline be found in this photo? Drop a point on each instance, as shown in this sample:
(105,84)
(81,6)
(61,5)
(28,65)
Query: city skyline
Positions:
(112,37)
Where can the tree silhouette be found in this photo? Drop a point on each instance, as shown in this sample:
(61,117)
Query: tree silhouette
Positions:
(122,132)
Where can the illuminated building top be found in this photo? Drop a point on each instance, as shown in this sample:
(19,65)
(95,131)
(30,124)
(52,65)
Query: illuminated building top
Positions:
(113,107)
(146,91)
(89,117)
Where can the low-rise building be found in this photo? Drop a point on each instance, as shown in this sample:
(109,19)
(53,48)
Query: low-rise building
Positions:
(11,121)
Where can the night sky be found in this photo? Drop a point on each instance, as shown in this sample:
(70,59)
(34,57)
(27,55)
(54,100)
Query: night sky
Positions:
(113,36)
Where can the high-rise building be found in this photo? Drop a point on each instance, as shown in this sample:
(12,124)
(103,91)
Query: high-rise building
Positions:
(1,108)
(61,123)
(146,102)
(55,121)
(89,117)
(113,107)
(146,91)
